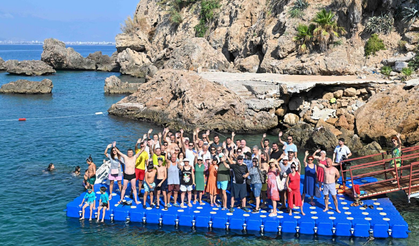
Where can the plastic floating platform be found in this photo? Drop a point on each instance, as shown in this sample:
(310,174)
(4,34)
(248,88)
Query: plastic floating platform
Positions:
(380,221)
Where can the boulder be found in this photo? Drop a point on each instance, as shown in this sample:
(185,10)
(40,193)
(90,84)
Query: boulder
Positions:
(349,92)
(60,58)
(249,64)
(134,42)
(104,62)
(342,123)
(328,96)
(388,112)
(338,94)
(370,149)
(398,66)
(321,123)
(2,67)
(113,85)
(392,61)
(28,68)
(291,119)
(182,99)
(322,138)
(134,63)
(280,112)
(196,54)
(301,133)
(23,86)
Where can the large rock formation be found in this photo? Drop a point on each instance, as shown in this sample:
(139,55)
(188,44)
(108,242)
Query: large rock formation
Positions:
(28,68)
(23,86)
(388,112)
(256,36)
(113,85)
(2,67)
(104,62)
(181,99)
(61,58)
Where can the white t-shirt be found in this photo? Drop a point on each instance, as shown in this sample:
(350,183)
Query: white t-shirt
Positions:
(341,151)
(189,154)
(205,156)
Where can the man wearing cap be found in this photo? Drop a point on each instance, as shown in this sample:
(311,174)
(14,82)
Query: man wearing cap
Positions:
(240,174)
(331,175)
(341,152)
(288,145)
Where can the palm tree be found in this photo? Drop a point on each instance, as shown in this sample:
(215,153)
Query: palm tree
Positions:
(326,28)
(304,37)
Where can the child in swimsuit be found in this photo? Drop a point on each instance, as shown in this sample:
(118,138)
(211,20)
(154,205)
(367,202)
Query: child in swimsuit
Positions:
(103,203)
(149,184)
(90,199)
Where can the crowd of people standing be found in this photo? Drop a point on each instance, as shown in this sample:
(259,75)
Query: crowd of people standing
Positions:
(168,164)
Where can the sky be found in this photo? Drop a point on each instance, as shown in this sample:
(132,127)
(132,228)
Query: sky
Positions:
(74,20)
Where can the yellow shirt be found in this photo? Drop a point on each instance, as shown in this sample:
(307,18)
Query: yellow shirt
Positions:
(141,160)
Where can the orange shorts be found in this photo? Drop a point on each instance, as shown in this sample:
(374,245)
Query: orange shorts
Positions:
(139,174)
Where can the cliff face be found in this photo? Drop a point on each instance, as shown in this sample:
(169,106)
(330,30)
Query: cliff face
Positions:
(257,36)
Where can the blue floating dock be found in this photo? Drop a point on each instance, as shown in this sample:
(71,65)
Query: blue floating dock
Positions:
(381,221)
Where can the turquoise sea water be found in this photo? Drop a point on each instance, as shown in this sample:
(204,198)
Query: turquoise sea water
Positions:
(63,128)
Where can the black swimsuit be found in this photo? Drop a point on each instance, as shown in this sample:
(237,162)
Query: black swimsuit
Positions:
(129,177)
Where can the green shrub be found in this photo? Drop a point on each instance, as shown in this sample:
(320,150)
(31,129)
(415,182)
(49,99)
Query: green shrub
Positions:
(407,71)
(297,9)
(206,16)
(414,63)
(386,70)
(373,45)
(409,14)
(326,29)
(402,45)
(380,24)
(175,16)
(304,38)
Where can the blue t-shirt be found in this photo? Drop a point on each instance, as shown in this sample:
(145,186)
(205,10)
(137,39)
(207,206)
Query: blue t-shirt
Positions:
(290,147)
(104,197)
(90,197)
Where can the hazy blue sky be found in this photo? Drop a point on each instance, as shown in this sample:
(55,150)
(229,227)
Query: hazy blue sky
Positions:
(74,20)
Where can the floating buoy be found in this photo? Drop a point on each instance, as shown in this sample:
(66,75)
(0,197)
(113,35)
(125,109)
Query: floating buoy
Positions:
(22,119)
(97,113)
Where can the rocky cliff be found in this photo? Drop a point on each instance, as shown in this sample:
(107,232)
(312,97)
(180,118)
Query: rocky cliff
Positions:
(259,36)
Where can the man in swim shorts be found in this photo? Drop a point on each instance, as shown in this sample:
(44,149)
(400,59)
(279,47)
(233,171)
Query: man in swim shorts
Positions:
(129,172)
(331,175)
(149,184)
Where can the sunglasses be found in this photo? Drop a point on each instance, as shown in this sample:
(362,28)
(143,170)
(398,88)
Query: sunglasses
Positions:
(176,150)
(289,138)
(255,161)
(310,159)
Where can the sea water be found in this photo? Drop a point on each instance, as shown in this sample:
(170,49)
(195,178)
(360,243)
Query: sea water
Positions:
(63,128)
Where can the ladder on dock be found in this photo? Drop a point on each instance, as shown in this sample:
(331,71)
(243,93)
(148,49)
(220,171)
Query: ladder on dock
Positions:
(406,176)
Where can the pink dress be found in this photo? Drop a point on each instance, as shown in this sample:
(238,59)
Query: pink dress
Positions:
(273,192)
(320,172)
(294,196)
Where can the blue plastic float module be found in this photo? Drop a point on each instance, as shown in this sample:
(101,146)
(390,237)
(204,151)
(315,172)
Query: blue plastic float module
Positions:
(381,221)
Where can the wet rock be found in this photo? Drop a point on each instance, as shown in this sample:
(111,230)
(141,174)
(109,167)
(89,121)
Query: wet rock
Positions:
(104,62)
(59,57)
(113,85)
(28,68)
(322,138)
(24,86)
(2,67)
(181,99)
(370,149)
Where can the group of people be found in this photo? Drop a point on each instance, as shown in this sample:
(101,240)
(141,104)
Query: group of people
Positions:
(169,163)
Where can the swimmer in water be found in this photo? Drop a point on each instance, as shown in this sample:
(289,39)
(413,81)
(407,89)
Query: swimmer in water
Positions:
(50,167)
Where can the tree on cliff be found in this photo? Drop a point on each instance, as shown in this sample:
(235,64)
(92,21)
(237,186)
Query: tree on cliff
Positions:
(326,28)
